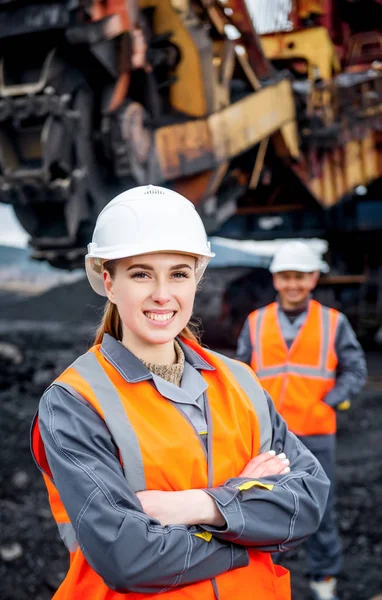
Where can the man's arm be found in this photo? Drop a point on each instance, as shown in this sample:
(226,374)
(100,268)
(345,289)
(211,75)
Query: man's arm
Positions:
(128,549)
(277,512)
(244,345)
(352,369)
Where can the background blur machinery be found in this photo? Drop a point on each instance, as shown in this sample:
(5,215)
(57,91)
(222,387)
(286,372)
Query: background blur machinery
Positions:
(270,134)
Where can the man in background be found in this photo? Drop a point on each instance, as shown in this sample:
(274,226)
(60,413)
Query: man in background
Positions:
(308,358)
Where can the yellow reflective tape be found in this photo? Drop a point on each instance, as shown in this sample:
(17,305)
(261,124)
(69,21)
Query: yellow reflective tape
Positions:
(206,535)
(250,484)
(203,432)
(345,405)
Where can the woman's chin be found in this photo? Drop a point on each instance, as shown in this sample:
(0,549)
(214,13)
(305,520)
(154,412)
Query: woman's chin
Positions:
(161,336)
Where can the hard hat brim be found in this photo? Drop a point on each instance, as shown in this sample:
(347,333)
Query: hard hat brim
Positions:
(95,276)
(95,279)
(323,267)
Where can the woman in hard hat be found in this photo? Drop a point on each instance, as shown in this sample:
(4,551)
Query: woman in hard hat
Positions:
(168,469)
(308,358)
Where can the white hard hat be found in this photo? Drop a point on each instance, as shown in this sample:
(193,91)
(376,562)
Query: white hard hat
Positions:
(297,256)
(142,220)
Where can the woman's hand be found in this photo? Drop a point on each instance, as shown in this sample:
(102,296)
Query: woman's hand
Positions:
(188,507)
(266,464)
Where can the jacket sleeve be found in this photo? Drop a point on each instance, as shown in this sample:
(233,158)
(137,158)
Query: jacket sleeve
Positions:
(279,512)
(129,550)
(244,345)
(352,369)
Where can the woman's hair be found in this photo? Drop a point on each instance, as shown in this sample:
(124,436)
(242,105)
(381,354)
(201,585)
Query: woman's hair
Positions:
(111,321)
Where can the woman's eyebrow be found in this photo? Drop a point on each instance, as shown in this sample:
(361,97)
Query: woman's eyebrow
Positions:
(151,268)
(182,266)
(141,266)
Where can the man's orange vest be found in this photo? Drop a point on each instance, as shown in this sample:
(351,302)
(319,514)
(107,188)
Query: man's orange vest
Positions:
(297,378)
(167,466)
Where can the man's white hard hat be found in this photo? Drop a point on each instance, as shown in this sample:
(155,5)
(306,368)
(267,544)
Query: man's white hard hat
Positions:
(143,220)
(297,256)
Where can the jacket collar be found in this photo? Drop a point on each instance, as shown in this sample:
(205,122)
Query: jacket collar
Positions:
(132,369)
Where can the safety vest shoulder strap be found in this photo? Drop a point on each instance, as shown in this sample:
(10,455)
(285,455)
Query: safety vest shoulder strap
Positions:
(255,318)
(328,318)
(248,382)
(107,396)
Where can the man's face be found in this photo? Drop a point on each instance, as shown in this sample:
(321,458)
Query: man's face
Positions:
(294,287)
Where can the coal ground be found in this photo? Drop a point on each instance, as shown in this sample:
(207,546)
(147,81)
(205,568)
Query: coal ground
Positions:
(33,560)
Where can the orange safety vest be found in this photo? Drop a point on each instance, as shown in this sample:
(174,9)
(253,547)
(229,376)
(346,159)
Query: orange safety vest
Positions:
(235,440)
(297,378)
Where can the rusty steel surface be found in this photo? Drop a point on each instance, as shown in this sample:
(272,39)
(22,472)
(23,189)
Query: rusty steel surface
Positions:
(186,148)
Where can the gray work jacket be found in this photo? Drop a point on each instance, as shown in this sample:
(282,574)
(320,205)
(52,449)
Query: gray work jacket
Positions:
(351,369)
(130,550)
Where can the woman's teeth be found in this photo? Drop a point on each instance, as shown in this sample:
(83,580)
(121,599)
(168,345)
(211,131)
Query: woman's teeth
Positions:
(160,316)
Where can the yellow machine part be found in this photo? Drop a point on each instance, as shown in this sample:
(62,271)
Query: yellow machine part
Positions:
(305,8)
(343,169)
(188,93)
(313,45)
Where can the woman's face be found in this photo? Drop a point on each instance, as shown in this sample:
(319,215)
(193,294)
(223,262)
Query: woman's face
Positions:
(154,294)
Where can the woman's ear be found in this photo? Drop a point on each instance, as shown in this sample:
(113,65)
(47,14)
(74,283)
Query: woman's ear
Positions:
(108,283)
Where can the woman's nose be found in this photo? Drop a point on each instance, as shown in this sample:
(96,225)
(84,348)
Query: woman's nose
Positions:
(161,293)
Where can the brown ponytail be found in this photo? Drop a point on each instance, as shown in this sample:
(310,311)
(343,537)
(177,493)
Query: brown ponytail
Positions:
(111,321)
(188,334)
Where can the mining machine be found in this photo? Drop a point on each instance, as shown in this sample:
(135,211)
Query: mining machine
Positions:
(266,114)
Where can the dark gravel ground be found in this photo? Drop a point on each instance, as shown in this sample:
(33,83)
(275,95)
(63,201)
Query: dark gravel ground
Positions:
(32,558)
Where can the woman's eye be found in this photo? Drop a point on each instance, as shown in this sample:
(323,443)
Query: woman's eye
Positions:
(181,275)
(139,275)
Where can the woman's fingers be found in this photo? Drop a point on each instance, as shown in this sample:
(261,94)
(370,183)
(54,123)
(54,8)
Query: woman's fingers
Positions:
(265,464)
(275,466)
(257,461)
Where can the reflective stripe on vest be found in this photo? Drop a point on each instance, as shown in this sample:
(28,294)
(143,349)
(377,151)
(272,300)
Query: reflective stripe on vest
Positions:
(115,417)
(68,536)
(65,528)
